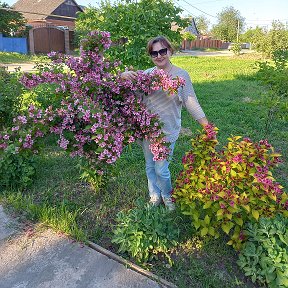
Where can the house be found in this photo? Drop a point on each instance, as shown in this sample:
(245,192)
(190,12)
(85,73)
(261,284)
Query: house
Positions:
(52,23)
(192,28)
(40,12)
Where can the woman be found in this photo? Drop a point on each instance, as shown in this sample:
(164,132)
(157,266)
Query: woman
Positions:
(168,107)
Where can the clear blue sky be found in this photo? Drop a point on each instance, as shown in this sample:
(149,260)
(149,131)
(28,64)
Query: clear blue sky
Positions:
(255,12)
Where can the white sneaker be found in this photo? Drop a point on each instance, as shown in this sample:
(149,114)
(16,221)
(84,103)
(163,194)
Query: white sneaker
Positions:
(169,203)
(155,201)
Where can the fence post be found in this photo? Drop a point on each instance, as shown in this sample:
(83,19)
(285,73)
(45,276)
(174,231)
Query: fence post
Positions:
(31,41)
(66,41)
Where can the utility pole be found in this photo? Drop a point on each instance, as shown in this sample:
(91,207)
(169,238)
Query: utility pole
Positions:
(238,28)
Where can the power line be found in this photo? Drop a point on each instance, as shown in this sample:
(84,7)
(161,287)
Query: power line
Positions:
(200,9)
(186,10)
(270,20)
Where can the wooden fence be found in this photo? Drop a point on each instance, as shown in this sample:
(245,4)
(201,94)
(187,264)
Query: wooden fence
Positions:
(203,43)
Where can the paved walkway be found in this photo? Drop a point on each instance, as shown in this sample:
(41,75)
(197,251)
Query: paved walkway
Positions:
(25,67)
(40,258)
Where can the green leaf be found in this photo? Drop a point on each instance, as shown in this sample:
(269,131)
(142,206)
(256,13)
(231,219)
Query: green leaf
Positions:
(226,227)
(219,212)
(239,221)
(233,173)
(230,242)
(196,224)
(207,204)
(207,220)
(204,231)
(247,208)
(211,231)
(255,214)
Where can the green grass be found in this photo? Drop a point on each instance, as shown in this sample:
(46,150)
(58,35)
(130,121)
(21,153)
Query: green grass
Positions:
(229,95)
(13,57)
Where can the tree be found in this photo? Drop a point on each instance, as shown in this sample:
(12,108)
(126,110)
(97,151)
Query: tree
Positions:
(10,21)
(230,24)
(129,23)
(202,24)
(188,36)
(267,41)
(248,35)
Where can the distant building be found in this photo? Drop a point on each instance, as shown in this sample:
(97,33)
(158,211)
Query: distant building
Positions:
(192,28)
(38,12)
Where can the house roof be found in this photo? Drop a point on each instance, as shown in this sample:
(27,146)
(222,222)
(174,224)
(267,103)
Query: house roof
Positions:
(39,7)
(192,28)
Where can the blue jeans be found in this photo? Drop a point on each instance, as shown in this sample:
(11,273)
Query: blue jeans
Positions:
(158,174)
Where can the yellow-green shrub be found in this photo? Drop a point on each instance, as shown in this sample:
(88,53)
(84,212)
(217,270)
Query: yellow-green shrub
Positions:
(223,190)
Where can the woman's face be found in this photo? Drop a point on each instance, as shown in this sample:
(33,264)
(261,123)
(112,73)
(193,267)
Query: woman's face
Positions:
(161,61)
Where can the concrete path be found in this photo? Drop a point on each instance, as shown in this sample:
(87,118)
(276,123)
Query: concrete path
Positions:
(42,258)
(25,67)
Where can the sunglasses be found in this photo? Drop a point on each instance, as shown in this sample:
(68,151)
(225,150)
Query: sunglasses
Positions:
(162,52)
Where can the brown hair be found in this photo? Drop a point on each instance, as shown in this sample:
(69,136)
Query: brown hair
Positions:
(161,39)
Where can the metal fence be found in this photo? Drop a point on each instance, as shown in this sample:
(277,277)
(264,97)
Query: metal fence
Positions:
(13,44)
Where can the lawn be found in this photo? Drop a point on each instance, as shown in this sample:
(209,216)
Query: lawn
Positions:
(13,57)
(230,96)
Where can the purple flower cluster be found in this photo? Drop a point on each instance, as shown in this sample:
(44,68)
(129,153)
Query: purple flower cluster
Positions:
(100,112)
(26,130)
(162,80)
(210,132)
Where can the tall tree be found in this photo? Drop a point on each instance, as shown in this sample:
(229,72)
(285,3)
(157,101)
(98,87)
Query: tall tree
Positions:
(267,41)
(229,26)
(129,20)
(10,21)
(202,24)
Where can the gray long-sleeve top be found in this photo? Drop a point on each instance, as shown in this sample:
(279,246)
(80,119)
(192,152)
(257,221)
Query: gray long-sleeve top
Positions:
(169,107)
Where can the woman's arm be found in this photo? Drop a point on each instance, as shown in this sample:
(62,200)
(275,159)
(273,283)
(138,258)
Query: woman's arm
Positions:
(129,75)
(203,121)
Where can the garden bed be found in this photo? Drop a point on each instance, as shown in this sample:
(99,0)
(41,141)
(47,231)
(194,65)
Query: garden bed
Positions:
(229,95)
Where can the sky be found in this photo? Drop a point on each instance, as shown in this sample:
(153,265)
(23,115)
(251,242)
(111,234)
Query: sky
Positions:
(255,12)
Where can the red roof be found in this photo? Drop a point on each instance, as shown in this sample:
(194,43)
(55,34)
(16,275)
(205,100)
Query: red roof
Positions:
(41,8)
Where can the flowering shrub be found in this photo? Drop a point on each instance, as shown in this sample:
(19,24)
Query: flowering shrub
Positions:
(19,143)
(223,190)
(100,113)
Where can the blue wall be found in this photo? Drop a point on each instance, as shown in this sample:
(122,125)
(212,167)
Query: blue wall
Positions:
(9,44)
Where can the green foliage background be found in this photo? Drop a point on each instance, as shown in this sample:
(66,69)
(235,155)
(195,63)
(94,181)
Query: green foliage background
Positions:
(227,26)
(10,96)
(267,41)
(10,21)
(129,21)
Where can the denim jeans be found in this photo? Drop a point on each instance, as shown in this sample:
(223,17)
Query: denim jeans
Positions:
(158,174)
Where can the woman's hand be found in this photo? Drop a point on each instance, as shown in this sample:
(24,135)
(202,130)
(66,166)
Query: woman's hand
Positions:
(129,75)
